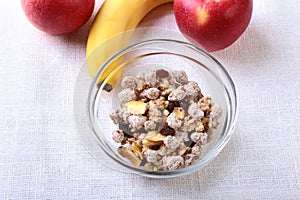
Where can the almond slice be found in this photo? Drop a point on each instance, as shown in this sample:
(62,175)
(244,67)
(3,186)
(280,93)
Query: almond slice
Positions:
(179,112)
(137,150)
(126,153)
(155,136)
(150,144)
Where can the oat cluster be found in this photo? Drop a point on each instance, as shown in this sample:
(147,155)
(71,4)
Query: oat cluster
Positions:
(163,120)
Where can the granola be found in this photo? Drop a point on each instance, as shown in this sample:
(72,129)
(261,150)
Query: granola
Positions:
(163,121)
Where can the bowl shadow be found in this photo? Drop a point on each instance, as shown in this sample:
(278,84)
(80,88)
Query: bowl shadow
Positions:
(205,180)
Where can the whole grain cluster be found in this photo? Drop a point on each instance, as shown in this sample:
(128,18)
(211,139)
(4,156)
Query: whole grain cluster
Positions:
(163,120)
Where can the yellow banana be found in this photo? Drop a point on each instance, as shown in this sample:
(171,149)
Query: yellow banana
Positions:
(113,18)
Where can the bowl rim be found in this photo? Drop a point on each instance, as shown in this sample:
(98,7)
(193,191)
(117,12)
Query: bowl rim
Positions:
(210,155)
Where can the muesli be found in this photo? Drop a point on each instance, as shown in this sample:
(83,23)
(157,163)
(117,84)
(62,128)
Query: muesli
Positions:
(163,120)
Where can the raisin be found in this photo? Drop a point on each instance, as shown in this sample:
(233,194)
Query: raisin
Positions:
(167,130)
(162,73)
(189,143)
(172,105)
(126,130)
(155,147)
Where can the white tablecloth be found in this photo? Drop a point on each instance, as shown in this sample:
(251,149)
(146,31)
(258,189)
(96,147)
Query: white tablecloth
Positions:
(42,157)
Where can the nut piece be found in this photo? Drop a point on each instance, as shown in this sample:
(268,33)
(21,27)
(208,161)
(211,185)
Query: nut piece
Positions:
(181,149)
(171,142)
(190,159)
(173,121)
(195,112)
(179,112)
(181,76)
(199,138)
(216,111)
(149,125)
(196,149)
(172,162)
(116,116)
(126,153)
(155,112)
(127,95)
(151,155)
(150,77)
(162,151)
(182,136)
(176,95)
(128,82)
(136,122)
(118,136)
(136,107)
(140,81)
(196,89)
(199,126)
(205,103)
(151,93)
(188,124)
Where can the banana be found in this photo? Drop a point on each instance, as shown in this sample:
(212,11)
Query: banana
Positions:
(113,18)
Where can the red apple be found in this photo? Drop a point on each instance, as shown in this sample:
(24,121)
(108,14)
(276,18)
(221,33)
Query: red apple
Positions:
(213,24)
(58,16)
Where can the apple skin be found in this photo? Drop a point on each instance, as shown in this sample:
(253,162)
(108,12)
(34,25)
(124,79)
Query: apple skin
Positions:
(58,16)
(213,24)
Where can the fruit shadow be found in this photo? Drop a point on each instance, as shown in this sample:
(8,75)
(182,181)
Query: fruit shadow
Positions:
(222,168)
(77,38)
(253,47)
(157,17)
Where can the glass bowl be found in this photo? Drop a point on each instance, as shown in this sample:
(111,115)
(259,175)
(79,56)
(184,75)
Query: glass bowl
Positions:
(168,54)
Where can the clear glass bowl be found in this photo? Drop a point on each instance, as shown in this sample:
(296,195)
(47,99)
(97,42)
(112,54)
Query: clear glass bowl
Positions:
(171,54)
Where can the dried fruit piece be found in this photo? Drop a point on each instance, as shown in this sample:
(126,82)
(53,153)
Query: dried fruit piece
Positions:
(161,73)
(172,105)
(126,153)
(167,130)
(136,107)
